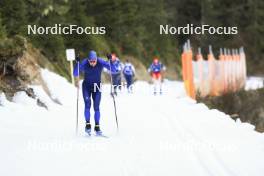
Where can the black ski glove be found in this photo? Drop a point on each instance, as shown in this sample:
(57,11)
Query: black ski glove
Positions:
(109,56)
(78,58)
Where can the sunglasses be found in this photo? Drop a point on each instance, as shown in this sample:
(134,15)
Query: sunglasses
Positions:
(92,61)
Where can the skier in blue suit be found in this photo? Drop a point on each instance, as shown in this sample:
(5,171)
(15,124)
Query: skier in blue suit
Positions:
(129,73)
(115,72)
(92,68)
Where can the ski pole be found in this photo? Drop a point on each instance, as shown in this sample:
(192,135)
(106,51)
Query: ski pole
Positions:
(77,103)
(112,95)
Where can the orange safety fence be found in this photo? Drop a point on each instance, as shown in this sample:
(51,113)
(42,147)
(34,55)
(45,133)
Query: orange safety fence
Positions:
(213,76)
(187,71)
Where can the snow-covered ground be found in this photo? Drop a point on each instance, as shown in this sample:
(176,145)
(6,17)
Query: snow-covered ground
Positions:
(254,83)
(159,135)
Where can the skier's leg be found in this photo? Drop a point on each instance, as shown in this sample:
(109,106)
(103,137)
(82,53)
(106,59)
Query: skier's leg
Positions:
(160,84)
(96,104)
(154,80)
(87,102)
(155,86)
(119,81)
(115,83)
(129,82)
(132,83)
(126,78)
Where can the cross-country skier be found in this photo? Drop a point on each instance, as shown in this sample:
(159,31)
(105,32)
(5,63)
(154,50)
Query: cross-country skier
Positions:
(115,72)
(92,68)
(129,73)
(156,69)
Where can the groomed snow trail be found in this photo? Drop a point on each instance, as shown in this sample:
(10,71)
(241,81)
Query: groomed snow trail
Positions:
(159,135)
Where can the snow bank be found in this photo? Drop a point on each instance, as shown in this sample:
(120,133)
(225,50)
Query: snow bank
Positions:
(254,83)
(3,100)
(60,89)
(42,96)
(22,98)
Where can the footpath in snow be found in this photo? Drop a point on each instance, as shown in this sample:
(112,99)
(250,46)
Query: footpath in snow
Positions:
(159,135)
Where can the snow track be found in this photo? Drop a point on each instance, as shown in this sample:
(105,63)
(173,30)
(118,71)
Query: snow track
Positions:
(208,160)
(159,135)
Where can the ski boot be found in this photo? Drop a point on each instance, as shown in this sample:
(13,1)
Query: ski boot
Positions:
(88,128)
(97,130)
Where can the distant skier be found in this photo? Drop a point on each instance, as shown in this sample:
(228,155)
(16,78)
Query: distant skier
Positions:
(129,73)
(92,68)
(115,72)
(156,69)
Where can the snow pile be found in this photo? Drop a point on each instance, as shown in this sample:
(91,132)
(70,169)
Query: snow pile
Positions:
(43,96)
(59,88)
(22,98)
(167,134)
(254,83)
(3,99)
(245,125)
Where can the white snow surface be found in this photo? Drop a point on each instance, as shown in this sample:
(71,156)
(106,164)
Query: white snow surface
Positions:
(168,134)
(254,82)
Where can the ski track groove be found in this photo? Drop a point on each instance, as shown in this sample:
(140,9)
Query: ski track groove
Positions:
(216,157)
(196,155)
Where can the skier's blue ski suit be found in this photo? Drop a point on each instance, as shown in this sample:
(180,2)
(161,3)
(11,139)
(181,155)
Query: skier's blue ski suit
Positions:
(116,68)
(129,72)
(91,86)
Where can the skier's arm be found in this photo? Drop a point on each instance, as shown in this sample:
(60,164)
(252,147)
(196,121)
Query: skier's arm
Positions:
(105,64)
(81,68)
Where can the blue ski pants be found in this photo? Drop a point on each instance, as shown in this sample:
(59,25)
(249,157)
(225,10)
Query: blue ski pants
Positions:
(129,80)
(94,93)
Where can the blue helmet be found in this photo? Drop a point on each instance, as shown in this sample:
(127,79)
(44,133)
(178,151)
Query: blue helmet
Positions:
(92,55)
